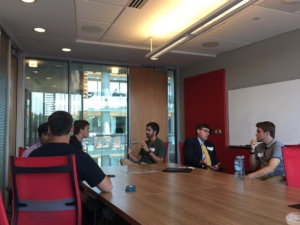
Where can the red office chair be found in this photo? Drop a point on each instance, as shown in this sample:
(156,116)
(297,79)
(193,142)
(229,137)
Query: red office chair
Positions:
(166,156)
(45,191)
(291,161)
(3,219)
(181,153)
(21,151)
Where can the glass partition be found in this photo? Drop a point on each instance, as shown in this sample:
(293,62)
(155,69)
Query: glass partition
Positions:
(171,117)
(46,91)
(99,95)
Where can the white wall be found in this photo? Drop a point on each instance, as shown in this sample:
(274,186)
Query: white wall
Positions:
(269,61)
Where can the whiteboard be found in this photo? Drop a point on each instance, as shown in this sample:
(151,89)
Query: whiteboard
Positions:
(277,102)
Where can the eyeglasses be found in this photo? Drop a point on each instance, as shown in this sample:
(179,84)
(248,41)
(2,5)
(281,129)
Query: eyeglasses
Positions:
(206,131)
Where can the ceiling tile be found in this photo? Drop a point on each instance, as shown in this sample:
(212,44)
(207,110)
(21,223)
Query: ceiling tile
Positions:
(113,2)
(241,33)
(199,50)
(145,44)
(81,23)
(186,8)
(21,18)
(280,6)
(224,46)
(153,21)
(95,11)
(138,34)
(88,38)
(268,19)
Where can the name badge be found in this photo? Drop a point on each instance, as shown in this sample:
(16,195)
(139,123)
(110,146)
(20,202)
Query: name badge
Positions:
(260,154)
(210,148)
(152,149)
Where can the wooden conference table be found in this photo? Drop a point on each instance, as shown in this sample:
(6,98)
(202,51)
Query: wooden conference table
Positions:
(199,197)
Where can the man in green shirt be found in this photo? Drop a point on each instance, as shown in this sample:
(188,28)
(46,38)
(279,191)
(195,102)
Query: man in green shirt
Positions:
(152,151)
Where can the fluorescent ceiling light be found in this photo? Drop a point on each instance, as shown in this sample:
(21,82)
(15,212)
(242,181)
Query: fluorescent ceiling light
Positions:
(39,29)
(28,1)
(33,63)
(176,15)
(27,78)
(114,70)
(205,24)
(66,49)
(48,78)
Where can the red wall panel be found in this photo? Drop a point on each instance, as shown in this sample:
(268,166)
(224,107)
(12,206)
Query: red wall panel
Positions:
(205,102)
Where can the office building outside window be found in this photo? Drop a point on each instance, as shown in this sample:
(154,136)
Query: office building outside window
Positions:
(99,95)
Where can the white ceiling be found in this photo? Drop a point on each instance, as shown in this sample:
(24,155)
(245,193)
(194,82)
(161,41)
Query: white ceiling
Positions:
(125,31)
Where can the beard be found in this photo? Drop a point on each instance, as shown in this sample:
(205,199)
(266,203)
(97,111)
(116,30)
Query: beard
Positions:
(149,135)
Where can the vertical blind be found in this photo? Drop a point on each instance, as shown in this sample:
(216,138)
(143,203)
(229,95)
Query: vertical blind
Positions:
(3,105)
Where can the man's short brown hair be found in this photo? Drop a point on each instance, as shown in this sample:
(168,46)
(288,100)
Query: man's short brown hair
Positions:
(79,124)
(267,126)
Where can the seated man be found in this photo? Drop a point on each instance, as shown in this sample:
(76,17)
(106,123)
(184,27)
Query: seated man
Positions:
(81,130)
(268,155)
(199,152)
(44,138)
(60,127)
(152,151)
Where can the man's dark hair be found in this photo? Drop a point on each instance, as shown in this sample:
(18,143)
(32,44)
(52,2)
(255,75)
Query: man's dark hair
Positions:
(43,128)
(200,126)
(60,123)
(267,126)
(154,126)
(79,124)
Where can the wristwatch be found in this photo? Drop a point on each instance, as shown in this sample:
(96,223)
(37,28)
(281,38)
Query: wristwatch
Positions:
(150,151)
(252,152)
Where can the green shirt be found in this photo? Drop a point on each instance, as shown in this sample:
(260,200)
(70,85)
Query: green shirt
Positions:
(158,147)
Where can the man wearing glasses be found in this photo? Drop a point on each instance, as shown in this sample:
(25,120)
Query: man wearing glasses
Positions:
(199,152)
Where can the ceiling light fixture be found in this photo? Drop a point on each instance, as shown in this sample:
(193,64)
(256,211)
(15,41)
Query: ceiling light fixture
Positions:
(33,63)
(204,25)
(27,78)
(39,30)
(66,49)
(28,1)
(48,78)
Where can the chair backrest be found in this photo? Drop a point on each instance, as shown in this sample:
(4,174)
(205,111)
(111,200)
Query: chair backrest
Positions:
(181,153)
(292,146)
(45,191)
(291,161)
(21,150)
(166,156)
(3,218)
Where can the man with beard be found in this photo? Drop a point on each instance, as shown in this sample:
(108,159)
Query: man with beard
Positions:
(268,155)
(152,151)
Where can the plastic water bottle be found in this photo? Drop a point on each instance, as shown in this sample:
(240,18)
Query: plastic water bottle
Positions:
(239,167)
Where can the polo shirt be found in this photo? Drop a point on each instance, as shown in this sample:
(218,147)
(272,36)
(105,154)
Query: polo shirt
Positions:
(264,153)
(158,147)
(87,168)
(74,141)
